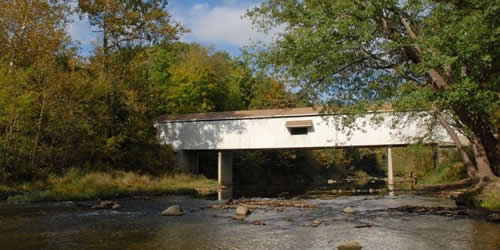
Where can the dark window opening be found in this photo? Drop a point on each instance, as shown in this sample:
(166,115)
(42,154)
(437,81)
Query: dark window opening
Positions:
(298,131)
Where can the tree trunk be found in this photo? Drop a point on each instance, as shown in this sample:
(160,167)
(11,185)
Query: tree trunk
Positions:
(483,164)
(485,146)
(469,165)
(10,131)
(39,128)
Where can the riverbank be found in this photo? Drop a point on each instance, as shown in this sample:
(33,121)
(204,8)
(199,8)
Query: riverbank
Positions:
(487,197)
(78,185)
(465,193)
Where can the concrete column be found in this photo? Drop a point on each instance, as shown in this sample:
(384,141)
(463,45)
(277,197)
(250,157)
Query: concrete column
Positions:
(195,162)
(390,177)
(188,160)
(437,155)
(180,159)
(225,168)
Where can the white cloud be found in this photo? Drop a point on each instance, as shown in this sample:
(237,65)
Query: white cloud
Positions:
(220,25)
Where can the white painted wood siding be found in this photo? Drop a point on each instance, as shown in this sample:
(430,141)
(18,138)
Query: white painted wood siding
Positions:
(272,133)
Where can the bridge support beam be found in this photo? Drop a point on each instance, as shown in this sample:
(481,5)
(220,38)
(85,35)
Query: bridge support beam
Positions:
(437,155)
(390,176)
(188,160)
(225,168)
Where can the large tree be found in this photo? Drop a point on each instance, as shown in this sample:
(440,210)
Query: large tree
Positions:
(130,23)
(441,56)
(33,39)
(127,26)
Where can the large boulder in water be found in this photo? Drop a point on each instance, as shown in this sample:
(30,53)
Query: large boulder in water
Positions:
(242,211)
(349,210)
(174,210)
(349,245)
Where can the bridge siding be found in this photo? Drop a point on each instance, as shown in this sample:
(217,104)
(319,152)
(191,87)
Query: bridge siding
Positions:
(272,133)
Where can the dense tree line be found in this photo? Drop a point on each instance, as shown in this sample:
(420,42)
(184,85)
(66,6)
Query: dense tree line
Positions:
(59,110)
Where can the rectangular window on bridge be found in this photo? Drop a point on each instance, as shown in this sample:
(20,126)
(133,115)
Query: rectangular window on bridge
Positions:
(298,131)
(299,127)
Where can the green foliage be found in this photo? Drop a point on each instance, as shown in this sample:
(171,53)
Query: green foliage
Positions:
(445,174)
(198,79)
(489,197)
(270,94)
(449,170)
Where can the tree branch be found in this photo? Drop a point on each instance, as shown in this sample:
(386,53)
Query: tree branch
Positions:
(434,74)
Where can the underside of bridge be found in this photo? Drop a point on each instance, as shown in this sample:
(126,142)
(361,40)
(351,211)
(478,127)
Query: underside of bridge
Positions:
(190,161)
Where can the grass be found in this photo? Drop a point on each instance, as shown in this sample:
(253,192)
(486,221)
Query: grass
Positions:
(78,185)
(6,189)
(445,173)
(489,197)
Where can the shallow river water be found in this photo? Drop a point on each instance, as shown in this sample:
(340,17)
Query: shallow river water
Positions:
(138,225)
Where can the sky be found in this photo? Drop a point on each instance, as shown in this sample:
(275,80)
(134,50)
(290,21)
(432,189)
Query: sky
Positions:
(217,23)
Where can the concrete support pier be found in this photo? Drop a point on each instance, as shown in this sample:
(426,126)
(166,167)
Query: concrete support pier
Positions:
(225,168)
(225,175)
(437,155)
(188,160)
(390,175)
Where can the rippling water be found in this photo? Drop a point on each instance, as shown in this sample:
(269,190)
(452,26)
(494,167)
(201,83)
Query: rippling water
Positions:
(138,225)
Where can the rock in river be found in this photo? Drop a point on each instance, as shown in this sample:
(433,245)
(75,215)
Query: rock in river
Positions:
(315,223)
(349,245)
(242,211)
(349,210)
(174,210)
(106,205)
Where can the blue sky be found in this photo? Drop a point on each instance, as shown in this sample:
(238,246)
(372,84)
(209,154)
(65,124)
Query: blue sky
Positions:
(216,23)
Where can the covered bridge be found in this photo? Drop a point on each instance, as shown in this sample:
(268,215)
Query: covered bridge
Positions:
(295,128)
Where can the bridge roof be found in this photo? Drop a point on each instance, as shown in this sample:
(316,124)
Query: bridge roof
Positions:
(240,114)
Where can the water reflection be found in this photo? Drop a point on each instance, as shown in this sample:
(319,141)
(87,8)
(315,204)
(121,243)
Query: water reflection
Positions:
(333,188)
(391,189)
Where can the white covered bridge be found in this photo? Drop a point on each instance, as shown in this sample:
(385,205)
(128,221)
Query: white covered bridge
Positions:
(297,128)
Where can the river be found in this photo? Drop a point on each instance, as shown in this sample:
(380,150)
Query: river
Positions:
(137,224)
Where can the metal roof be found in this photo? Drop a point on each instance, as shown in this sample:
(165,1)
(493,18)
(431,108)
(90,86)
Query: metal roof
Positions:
(240,114)
(255,114)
